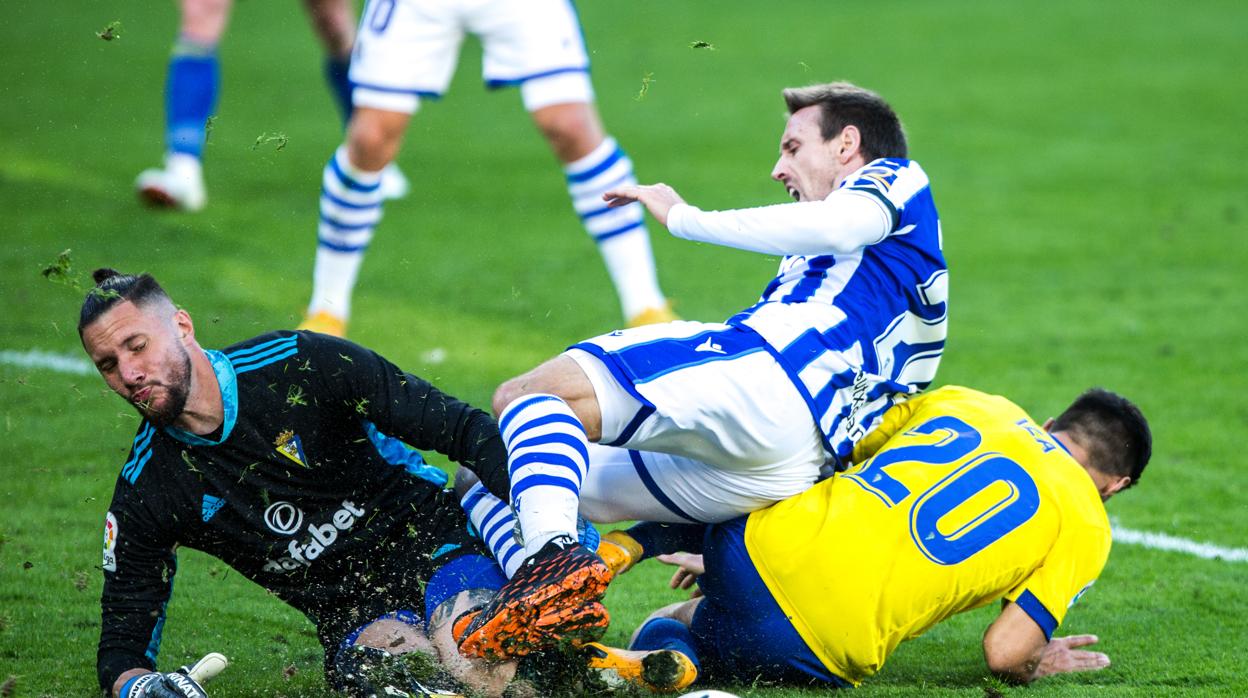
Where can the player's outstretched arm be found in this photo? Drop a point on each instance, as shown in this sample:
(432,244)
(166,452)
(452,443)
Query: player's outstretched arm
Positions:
(840,224)
(1017,651)
(657,198)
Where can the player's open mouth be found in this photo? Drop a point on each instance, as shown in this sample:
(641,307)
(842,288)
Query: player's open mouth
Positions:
(141,395)
(793,192)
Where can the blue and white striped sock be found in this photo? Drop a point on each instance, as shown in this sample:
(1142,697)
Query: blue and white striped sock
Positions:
(191,88)
(620,232)
(495,522)
(547,458)
(493,519)
(350,208)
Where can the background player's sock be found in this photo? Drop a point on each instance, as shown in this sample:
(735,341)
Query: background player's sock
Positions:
(350,208)
(336,74)
(547,458)
(191,88)
(620,232)
(667,634)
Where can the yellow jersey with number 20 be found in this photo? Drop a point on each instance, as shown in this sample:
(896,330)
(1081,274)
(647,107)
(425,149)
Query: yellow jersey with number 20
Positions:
(958,499)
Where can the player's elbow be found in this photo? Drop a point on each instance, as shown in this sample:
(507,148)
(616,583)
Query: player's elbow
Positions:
(1007,663)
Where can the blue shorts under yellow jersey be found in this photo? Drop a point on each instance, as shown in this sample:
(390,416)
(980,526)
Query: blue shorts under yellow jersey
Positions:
(958,499)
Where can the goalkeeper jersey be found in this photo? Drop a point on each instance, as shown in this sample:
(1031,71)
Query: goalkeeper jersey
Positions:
(957,500)
(299,484)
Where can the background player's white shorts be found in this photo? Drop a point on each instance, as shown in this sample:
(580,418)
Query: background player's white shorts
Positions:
(407,49)
(712,398)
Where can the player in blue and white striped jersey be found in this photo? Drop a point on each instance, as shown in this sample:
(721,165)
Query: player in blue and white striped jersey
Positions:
(715,420)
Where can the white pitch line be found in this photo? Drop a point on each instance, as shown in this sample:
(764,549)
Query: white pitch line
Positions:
(1162,541)
(61,363)
(66,363)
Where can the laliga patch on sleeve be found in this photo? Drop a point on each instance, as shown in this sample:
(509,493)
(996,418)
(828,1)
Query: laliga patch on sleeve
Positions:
(110,542)
(1082,591)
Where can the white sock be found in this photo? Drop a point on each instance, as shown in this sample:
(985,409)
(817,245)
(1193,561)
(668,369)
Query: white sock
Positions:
(184,165)
(333,280)
(350,209)
(620,232)
(546,454)
(631,266)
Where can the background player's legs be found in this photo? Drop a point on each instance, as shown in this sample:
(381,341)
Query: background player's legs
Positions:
(402,51)
(350,208)
(334,24)
(191,89)
(593,162)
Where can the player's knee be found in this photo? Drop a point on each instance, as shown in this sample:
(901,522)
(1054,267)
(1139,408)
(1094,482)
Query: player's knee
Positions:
(573,130)
(464,480)
(204,21)
(506,394)
(373,138)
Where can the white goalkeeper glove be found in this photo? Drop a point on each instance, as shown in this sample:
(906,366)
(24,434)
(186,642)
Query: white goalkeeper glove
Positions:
(183,683)
(156,685)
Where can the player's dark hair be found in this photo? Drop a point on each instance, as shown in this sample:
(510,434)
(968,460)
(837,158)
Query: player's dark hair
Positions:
(113,287)
(1112,430)
(843,104)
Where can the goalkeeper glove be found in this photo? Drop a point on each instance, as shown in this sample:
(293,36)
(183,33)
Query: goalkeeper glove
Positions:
(156,685)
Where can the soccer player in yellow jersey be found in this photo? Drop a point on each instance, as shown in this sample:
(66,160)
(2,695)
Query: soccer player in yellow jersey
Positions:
(957,500)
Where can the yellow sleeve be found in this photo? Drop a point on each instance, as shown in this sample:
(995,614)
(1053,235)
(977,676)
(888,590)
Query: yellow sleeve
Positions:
(1071,567)
(894,421)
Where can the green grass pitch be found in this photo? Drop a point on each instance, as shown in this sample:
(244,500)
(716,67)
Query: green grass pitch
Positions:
(1087,160)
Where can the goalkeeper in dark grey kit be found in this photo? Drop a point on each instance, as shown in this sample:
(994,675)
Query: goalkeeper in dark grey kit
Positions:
(281,456)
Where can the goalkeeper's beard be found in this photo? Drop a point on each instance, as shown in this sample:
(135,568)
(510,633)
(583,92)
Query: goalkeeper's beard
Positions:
(177,391)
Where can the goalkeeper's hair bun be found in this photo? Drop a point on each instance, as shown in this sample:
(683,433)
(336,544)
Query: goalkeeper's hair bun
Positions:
(113,287)
(104,273)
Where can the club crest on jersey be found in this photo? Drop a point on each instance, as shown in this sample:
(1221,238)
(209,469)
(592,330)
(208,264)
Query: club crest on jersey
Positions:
(289,445)
(110,542)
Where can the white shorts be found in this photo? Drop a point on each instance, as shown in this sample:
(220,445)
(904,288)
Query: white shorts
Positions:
(713,399)
(629,485)
(407,49)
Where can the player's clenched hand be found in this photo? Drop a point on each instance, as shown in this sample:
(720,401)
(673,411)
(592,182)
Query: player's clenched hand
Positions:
(690,568)
(171,685)
(1060,656)
(657,198)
